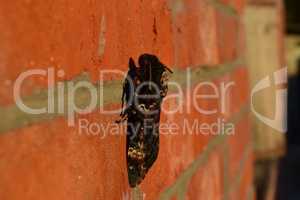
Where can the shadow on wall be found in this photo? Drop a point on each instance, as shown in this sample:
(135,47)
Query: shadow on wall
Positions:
(289,173)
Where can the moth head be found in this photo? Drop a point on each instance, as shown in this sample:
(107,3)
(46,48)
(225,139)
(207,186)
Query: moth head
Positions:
(145,60)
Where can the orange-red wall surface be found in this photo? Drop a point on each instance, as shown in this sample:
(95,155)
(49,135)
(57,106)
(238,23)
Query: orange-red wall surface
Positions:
(41,157)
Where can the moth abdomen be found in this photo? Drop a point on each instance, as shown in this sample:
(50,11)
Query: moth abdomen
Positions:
(142,112)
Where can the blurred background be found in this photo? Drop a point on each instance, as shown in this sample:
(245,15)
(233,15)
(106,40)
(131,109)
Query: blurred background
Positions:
(277,155)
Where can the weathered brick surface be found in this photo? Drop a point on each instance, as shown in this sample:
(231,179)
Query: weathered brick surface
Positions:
(228,37)
(48,160)
(238,5)
(80,36)
(194,23)
(79,160)
(208,182)
(52,161)
(239,145)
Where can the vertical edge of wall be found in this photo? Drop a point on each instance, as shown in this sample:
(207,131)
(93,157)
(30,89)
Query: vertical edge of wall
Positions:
(264,57)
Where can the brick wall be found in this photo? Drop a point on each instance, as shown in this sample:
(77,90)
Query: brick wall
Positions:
(41,157)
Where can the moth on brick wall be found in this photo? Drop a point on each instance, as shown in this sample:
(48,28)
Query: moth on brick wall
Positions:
(143,91)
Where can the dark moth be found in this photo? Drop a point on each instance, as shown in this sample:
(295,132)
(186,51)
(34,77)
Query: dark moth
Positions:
(143,91)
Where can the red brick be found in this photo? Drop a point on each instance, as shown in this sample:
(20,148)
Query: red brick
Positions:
(207,183)
(49,160)
(228,37)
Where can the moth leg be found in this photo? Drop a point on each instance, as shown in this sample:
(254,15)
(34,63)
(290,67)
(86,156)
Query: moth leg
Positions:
(122,119)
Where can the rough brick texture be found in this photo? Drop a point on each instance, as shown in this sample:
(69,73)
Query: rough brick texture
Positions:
(46,159)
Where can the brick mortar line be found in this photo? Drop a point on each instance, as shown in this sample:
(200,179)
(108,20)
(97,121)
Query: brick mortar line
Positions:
(224,8)
(259,4)
(15,118)
(185,177)
(238,178)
